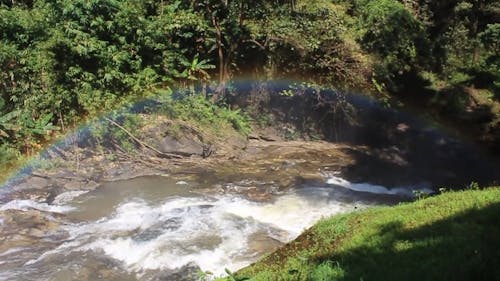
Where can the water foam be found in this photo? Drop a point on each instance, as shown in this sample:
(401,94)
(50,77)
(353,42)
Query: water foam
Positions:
(11,251)
(68,196)
(24,205)
(212,232)
(377,189)
(287,212)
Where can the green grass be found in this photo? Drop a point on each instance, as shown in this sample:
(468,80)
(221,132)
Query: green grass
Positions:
(453,236)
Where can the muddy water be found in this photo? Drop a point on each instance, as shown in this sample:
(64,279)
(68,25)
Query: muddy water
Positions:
(157,228)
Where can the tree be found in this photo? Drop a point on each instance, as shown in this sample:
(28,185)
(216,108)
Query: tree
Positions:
(195,70)
(391,31)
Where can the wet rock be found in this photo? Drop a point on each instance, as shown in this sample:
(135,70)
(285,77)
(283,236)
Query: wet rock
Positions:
(181,146)
(258,194)
(32,183)
(36,194)
(89,266)
(60,173)
(75,185)
(26,228)
(282,164)
(231,147)
(158,229)
(260,243)
(36,182)
(188,272)
(269,134)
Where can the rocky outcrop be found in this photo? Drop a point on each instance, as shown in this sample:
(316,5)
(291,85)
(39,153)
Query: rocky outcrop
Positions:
(20,228)
(183,146)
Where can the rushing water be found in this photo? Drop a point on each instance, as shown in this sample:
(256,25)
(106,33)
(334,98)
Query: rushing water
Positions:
(155,228)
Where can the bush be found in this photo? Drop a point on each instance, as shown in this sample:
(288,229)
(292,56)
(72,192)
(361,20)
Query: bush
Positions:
(108,134)
(199,110)
(10,158)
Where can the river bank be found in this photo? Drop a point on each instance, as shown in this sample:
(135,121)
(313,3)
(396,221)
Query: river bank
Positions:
(452,236)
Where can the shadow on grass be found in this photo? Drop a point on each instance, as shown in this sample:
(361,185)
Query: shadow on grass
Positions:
(462,247)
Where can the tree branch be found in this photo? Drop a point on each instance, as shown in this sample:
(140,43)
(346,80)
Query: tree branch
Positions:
(163,154)
(256,43)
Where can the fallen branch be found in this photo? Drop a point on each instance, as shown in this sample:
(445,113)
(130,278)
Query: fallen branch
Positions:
(35,174)
(143,144)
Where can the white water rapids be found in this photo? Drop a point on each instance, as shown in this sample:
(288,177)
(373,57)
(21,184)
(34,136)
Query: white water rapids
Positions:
(147,226)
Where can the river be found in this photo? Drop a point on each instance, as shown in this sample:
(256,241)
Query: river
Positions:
(158,228)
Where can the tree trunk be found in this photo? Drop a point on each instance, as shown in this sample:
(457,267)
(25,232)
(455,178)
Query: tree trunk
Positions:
(220,50)
(220,53)
(475,30)
(242,13)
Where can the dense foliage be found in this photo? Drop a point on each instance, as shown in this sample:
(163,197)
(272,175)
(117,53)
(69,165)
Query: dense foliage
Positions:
(62,61)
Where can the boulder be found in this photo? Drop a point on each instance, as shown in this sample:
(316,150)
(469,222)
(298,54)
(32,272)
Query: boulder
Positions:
(181,146)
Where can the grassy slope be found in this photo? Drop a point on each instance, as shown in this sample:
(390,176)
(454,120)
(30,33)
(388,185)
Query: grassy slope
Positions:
(453,236)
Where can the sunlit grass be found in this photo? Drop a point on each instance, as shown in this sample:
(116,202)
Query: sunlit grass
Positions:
(453,236)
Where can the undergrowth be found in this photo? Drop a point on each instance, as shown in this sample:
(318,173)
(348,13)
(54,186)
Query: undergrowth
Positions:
(205,113)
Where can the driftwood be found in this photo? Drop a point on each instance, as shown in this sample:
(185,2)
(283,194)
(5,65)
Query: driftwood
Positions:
(141,143)
(124,155)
